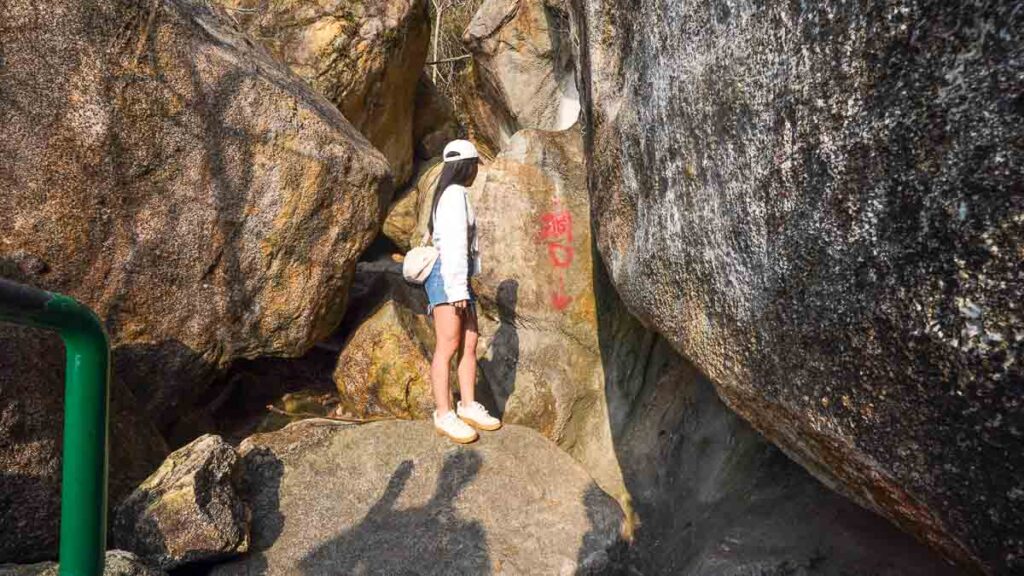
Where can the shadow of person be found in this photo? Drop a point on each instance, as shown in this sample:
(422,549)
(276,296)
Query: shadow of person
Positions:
(499,371)
(429,539)
(602,551)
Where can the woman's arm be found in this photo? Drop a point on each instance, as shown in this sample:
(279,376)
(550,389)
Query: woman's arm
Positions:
(451,225)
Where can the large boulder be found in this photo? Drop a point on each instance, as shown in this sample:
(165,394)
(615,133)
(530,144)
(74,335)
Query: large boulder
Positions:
(116,563)
(819,208)
(540,352)
(384,367)
(31,427)
(406,222)
(523,65)
(387,497)
(366,57)
(192,191)
(188,510)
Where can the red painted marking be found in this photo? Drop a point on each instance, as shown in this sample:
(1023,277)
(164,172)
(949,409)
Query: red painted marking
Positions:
(559,299)
(556,232)
(556,225)
(560,255)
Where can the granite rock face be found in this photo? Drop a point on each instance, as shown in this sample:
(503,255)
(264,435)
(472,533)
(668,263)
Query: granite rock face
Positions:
(539,350)
(400,222)
(31,428)
(366,57)
(158,167)
(384,367)
(380,498)
(188,510)
(820,206)
(523,66)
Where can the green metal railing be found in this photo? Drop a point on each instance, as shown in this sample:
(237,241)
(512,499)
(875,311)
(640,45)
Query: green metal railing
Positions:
(83,505)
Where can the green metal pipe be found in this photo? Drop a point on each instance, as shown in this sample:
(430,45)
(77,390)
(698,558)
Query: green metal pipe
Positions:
(83,506)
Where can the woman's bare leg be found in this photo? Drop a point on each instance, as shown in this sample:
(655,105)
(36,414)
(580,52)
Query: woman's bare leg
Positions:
(447,326)
(467,357)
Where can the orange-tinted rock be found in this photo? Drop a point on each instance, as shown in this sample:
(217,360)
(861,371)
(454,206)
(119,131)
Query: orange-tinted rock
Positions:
(365,56)
(168,173)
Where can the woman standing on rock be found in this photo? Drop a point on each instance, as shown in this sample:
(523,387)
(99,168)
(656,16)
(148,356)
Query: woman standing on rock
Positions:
(452,227)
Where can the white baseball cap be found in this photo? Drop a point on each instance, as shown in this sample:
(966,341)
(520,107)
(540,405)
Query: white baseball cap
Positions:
(459,150)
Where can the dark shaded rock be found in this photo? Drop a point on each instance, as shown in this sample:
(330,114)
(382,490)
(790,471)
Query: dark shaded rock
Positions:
(31,429)
(188,510)
(375,283)
(388,497)
(199,197)
(434,122)
(712,497)
(116,563)
(820,206)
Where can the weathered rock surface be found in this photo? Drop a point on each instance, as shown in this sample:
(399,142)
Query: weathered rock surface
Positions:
(31,428)
(712,497)
(193,192)
(406,221)
(539,347)
(384,367)
(116,563)
(524,65)
(434,122)
(400,222)
(366,57)
(819,206)
(382,498)
(188,510)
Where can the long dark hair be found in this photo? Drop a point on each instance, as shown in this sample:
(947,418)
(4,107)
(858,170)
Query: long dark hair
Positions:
(455,172)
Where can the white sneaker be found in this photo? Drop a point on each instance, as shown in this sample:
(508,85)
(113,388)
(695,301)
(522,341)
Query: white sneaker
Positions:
(476,416)
(451,426)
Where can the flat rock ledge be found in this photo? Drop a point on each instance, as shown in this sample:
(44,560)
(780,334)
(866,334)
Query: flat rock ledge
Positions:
(392,497)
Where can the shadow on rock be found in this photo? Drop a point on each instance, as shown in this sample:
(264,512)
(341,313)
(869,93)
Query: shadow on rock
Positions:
(599,556)
(261,488)
(500,369)
(429,539)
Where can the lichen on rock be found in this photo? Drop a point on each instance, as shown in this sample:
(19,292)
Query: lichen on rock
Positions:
(189,510)
(168,173)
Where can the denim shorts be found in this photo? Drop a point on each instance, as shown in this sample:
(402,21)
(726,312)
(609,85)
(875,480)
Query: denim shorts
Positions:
(434,286)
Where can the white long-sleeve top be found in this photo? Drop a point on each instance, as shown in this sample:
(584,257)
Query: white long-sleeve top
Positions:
(456,242)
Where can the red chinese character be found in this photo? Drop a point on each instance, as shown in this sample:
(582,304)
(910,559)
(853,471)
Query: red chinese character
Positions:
(560,255)
(556,225)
